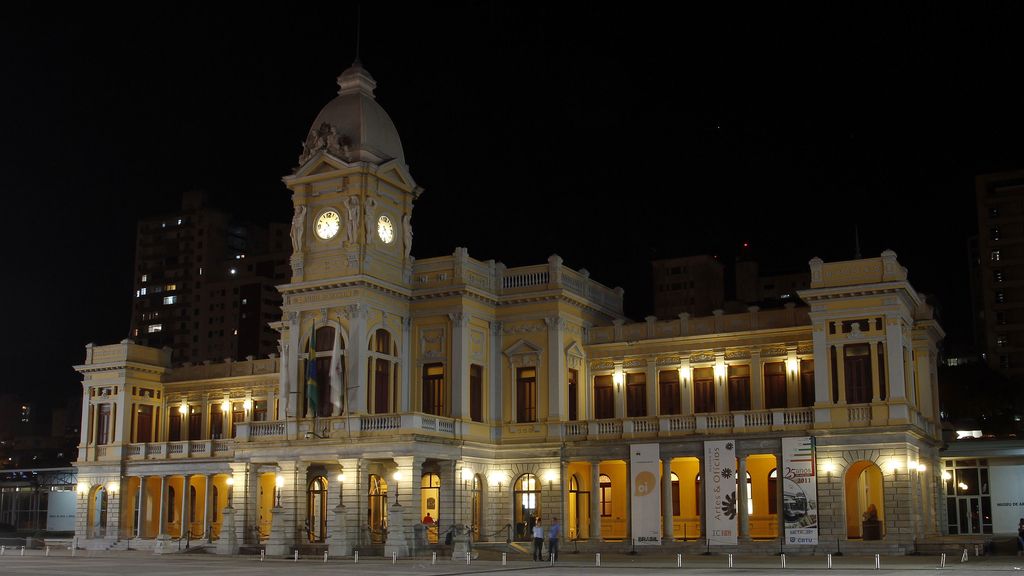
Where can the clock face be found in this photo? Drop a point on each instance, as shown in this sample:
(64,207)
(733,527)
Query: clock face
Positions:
(385,229)
(327,225)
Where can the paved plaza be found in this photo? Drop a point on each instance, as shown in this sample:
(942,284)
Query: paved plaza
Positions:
(36,563)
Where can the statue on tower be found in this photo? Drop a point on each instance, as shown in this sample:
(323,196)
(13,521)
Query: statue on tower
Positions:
(352,230)
(298,228)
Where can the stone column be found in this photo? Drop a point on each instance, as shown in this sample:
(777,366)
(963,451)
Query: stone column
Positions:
(556,380)
(405,367)
(139,518)
(497,368)
(460,365)
(399,532)
(186,498)
(653,388)
(822,373)
(448,508)
(357,383)
(741,499)
(282,520)
(895,372)
(207,496)
(666,499)
(162,538)
(756,381)
(595,501)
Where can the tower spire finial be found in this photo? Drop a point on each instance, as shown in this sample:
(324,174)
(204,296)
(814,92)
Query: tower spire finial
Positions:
(359,29)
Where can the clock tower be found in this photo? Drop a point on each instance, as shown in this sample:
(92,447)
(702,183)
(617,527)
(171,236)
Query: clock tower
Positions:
(352,192)
(351,259)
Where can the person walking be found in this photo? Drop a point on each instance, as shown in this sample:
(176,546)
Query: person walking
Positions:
(553,540)
(538,541)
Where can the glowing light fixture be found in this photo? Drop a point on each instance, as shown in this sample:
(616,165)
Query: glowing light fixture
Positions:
(947,476)
(247,404)
(225,406)
(183,408)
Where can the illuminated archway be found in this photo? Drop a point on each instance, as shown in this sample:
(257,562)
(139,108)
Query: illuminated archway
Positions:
(864,500)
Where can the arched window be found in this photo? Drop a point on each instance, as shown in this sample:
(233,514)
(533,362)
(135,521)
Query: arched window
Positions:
(378,508)
(606,496)
(382,372)
(526,500)
(773,494)
(430,497)
(216,502)
(477,506)
(696,494)
(170,504)
(579,510)
(316,511)
(675,494)
(323,351)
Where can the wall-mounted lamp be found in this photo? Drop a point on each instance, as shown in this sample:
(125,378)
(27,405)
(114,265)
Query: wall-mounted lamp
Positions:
(231,488)
(82,488)
(247,405)
(618,377)
(113,487)
(719,371)
(962,486)
(921,467)
(278,485)
(467,476)
(341,486)
(829,468)
(225,406)
(183,408)
(792,364)
(550,476)
(946,475)
(398,480)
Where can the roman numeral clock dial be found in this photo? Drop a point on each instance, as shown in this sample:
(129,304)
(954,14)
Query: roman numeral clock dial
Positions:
(327,225)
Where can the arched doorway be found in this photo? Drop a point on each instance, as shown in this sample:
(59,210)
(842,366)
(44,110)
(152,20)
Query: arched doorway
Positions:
(377,509)
(98,512)
(477,506)
(579,510)
(864,501)
(430,499)
(316,510)
(526,502)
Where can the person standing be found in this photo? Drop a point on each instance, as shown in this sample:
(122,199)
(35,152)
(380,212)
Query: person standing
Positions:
(1020,537)
(538,541)
(553,540)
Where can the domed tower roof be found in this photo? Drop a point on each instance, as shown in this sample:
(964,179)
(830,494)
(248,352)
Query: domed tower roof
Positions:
(353,126)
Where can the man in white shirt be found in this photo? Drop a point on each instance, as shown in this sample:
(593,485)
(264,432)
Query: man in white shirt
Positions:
(538,541)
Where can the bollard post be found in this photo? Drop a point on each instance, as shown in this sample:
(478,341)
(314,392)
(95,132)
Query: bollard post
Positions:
(47,550)
(355,557)
(829,562)
(597,558)
(22,550)
(325,557)
(394,557)
(263,554)
(74,548)
(433,557)
(296,558)
(467,558)
(783,557)
(942,561)
(679,560)
(2,549)
(730,560)
(975,550)
(878,561)
(504,558)
(964,557)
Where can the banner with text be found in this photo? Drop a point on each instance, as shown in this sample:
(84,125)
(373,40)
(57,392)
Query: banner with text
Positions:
(720,491)
(799,491)
(645,500)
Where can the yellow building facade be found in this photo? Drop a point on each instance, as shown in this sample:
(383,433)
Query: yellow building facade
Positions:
(489,397)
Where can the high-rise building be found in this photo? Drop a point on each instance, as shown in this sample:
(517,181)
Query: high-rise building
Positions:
(1000,256)
(205,285)
(692,284)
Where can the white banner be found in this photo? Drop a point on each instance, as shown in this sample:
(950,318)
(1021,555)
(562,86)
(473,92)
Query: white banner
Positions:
(1007,496)
(799,491)
(60,511)
(720,491)
(645,499)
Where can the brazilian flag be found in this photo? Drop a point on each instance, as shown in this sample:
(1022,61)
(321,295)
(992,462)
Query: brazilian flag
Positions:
(312,390)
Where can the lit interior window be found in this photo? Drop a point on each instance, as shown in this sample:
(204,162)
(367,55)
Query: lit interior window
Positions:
(154,328)
(170,299)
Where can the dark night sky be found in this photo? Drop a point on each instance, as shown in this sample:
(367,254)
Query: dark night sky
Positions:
(607,135)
